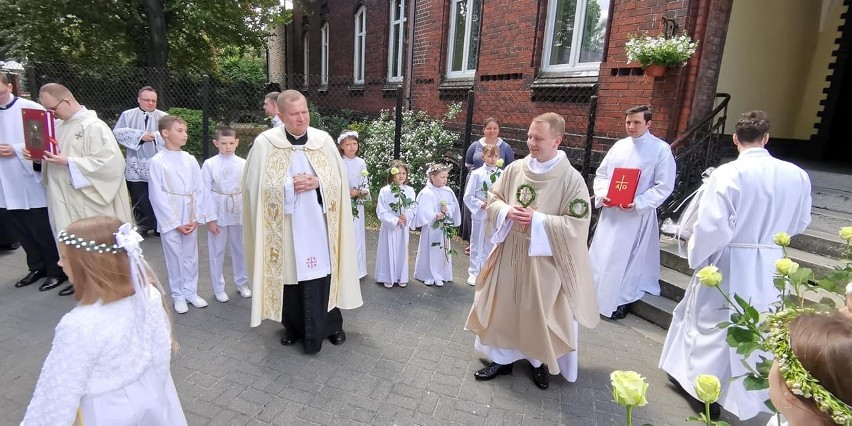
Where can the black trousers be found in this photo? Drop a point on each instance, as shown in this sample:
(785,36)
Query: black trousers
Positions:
(7,235)
(142,210)
(32,228)
(305,312)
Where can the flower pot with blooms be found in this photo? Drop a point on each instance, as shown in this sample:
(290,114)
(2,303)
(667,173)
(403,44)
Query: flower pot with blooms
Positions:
(655,54)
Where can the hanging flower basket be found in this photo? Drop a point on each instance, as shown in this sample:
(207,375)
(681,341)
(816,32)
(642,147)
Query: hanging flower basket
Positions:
(654,70)
(660,51)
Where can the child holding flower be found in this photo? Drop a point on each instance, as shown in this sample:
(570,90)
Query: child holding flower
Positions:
(438,214)
(475,196)
(347,144)
(395,209)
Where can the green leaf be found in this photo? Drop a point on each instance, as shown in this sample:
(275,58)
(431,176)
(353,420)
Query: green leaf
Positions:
(752,313)
(736,318)
(801,275)
(436,224)
(753,382)
(764,366)
(723,324)
(828,302)
(722,423)
(780,283)
(737,336)
(742,302)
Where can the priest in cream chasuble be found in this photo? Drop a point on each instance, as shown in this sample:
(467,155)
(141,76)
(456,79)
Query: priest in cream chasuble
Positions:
(297,228)
(536,285)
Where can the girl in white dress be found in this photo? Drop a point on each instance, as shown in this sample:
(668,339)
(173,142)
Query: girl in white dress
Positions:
(109,362)
(395,209)
(475,195)
(437,210)
(359,191)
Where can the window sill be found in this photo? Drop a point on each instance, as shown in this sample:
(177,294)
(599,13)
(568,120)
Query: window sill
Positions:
(391,88)
(564,88)
(323,88)
(356,89)
(455,89)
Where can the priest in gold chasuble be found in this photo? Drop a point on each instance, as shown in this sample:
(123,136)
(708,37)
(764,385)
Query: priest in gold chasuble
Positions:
(297,230)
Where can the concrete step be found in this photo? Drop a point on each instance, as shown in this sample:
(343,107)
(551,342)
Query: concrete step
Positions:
(832,199)
(838,179)
(826,244)
(673,284)
(654,309)
(829,221)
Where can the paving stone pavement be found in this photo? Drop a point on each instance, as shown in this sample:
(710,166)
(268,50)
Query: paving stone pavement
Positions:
(407,360)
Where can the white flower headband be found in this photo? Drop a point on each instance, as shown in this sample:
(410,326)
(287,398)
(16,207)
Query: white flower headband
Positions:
(437,168)
(347,134)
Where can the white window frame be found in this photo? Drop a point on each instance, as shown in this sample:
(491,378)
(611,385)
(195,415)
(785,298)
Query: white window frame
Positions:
(576,42)
(400,41)
(306,57)
(464,73)
(360,45)
(324,55)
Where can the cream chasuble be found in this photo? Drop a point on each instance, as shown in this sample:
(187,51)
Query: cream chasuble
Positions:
(526,300)
(93,152)
(268,231)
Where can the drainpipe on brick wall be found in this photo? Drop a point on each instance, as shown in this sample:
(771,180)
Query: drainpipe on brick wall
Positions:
(409,59)
(694,70)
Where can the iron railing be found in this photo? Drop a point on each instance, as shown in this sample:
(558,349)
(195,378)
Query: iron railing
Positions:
(695,151)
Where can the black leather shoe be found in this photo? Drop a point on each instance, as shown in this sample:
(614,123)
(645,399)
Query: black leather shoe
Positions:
(541,376)
(67,291)
(289,339)
(337,338)
(620,312)
(493,371)
(50,283)
(32,277)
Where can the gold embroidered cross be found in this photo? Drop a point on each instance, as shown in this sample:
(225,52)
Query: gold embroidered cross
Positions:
(621,185)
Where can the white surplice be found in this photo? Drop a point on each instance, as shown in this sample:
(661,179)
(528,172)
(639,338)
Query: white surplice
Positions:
(539,246)
(310,232)
(20,186)
(625,250)
(176,191)
(392,253)
(355,167)
(222,178)
(112,365)
(128,130)
(474,198)
(432,263)
(746,202)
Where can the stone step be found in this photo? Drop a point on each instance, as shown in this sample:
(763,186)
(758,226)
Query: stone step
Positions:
(654,309)
(829,221)
(832,199)
(826,244)
(839,180)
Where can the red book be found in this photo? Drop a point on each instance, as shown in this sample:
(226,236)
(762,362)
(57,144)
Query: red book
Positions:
(39,132)
(622,187)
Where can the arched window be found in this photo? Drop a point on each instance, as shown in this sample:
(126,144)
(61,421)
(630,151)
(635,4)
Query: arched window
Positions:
(396,40)
(324,55)
(360,45)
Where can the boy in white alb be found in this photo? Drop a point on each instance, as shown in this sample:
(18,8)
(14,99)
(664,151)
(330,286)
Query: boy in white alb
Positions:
(175,190)
(475,194)
(222,177)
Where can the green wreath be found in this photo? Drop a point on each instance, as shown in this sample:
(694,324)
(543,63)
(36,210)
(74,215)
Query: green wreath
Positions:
(578,208)
(525,194)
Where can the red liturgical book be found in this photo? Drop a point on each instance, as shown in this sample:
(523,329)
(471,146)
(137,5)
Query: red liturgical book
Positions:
(622,187)
(39,132)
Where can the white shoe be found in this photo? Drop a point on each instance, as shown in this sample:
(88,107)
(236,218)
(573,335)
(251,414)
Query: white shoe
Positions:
(197,301)
(180,307)
(471,280)
(439,283)
(388,285)
(428,282)
(245,292)
(403,285)
(222,297)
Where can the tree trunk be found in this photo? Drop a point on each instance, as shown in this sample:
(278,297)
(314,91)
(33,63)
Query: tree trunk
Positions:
(157,46)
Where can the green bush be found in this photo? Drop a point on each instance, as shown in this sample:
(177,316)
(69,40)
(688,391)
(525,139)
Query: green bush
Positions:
(195,129)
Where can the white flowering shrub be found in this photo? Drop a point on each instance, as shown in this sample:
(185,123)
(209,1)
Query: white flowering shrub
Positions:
(424,141)
(669,52)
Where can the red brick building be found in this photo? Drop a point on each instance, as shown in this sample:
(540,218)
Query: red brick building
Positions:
(523,57)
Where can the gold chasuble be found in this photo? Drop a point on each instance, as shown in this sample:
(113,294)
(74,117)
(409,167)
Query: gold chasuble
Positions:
(91,147)
(529,303)
(268,232)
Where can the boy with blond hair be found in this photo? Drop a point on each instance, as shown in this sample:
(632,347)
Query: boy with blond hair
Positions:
(176,192)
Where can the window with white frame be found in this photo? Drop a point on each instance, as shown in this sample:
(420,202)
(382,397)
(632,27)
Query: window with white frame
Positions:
(324,55)
(396,39)
(360,45)
(306,55)
(463,45)
(574,35)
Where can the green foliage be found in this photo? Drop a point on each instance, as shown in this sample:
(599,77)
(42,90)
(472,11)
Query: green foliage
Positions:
(669,52)
(194,127)
(120,31)
(424,141)
(242,65)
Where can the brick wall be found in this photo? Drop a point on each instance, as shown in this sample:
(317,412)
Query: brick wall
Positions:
(511,39)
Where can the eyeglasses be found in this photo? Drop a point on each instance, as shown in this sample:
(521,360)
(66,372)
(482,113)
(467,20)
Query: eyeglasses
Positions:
(154,100)
(57,105)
